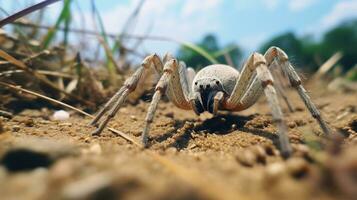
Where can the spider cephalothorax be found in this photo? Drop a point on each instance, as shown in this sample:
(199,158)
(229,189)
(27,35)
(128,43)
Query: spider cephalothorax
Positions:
(215,87)
(210,82)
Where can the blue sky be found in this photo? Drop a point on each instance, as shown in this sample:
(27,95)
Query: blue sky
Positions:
(245,22)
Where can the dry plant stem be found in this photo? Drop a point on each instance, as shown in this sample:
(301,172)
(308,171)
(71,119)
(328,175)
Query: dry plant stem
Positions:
(26,11)
(44,72)
(40,77)
(28,59)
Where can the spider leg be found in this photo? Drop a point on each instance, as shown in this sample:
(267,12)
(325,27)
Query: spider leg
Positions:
(275,54)
(119,98)
(260,80)
(178,86)
(217,100)
(242,85)
(267,82)
(248,89)
(170,69)
(281,92)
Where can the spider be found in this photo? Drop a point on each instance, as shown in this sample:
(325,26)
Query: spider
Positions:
(215,87)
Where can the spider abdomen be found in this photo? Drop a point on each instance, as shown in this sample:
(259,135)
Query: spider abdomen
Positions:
(217,74)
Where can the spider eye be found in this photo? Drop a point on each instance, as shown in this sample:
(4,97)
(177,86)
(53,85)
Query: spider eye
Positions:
(217,82)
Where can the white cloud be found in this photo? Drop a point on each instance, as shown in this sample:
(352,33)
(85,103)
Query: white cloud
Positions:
(299,5)
(182,20)
(341,11)
(271,4)
(194,6)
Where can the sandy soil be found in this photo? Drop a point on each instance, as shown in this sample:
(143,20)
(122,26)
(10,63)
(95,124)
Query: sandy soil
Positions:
(232,156)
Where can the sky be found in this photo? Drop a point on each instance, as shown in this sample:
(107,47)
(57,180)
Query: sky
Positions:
(244,22)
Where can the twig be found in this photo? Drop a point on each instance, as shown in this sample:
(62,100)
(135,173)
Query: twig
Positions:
(44,72)
(26,11)
(28,59)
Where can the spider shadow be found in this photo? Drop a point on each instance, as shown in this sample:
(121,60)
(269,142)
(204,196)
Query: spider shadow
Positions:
(220,125)
(161,138)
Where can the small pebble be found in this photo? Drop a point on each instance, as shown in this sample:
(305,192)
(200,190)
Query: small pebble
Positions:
(246,158)
(260,153)
(300,122)
(275,171)
(291,124)
(133,117)
(29,122)
(297,167)
(60,115)
(15,128)
(170,114)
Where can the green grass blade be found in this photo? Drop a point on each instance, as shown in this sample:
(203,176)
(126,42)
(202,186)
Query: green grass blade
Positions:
(200,51)
(67,22)
(52,32)
(224,51)
(109,63)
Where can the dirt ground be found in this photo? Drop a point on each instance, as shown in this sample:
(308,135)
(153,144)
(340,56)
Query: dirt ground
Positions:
(231,156)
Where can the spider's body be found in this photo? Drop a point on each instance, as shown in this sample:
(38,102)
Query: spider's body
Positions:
(216,87)
(208,82)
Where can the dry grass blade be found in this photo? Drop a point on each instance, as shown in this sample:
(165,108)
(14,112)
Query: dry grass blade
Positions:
(40,77)
(26,11)
(44,72)
(328,64)
(18,88)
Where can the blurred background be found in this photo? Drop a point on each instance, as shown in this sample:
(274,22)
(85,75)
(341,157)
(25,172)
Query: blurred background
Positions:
(309,30)
(113,37)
